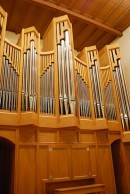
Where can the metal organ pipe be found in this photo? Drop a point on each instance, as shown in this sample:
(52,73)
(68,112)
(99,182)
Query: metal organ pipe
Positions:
(9,77)
(121,90)
(65,72)
(29,82)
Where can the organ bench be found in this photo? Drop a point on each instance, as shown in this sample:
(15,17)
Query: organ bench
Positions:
(93,188)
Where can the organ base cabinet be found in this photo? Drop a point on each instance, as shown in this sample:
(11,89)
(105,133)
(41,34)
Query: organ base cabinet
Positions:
(36,156)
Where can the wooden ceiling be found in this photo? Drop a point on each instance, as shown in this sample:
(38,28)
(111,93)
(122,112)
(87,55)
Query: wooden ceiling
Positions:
(95,22)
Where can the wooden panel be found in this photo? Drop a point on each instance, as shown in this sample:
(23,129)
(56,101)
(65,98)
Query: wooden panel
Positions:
(77,31)
(126,136)
(13,22)
(114,16)
(104,40)
(102,137)
(126,4)
(78,5)
(87,137)
(26,170)
(88,7)
(49,36)
(80,161)
(114,136)
(123,24)
(84,35)
(68,136)
(106,169)
(107,8)
(42,25)
(47,136)
(93,161)
(59,165)
(9,134)
(97,35)
(27,135)
(103,57)
(42,166)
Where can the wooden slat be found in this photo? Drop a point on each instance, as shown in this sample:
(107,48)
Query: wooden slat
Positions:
(84,35)
(97,35)
(106,10)
(106,39)
(114,15)
(125,22)
(79,16)
(126,4)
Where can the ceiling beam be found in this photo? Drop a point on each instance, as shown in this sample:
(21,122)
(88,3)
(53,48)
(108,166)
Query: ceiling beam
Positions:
(81,17)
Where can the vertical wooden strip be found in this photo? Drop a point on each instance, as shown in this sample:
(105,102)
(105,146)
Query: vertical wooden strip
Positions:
(21,73)
(89,82)
(113,85)
(2,39)
(74,72)
(38,74)
(56,88)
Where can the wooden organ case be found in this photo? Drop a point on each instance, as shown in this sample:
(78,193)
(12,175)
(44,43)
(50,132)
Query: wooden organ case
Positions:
(62,113)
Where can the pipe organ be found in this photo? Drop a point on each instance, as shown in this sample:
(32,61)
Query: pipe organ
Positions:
(57,83)
(108,90)
(62,112)
(121,90)
(114,86)
(29,70)
(96,87)
(82,88)
(47,100)
(3,20)
(65,70)
(9,77)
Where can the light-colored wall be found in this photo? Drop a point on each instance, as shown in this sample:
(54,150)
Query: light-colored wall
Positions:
(124,43)
(14,38)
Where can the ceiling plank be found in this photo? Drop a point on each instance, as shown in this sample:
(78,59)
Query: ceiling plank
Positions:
(85,19)
(97,35)
(106,39)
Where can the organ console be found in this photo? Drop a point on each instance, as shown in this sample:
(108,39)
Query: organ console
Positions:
(62,112)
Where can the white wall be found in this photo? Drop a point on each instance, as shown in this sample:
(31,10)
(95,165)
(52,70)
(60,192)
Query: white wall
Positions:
(12,36)
(124,43)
